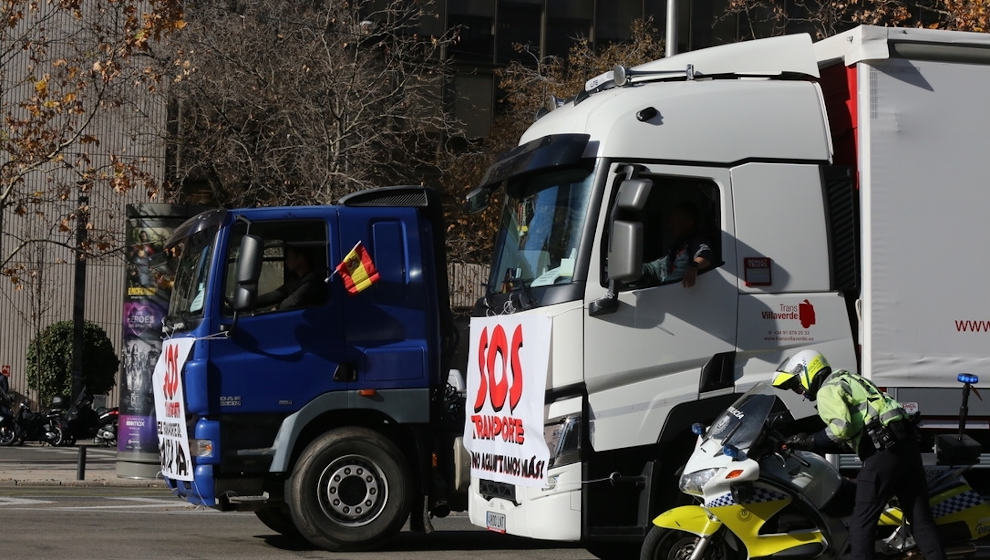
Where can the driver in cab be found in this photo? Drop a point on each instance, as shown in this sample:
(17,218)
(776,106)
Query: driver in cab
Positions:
(860,417)
(686,256)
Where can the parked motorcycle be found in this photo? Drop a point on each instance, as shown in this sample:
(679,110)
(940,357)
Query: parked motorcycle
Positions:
(107,432)
(759,500)
(8,433)
(83,421)
(47,427)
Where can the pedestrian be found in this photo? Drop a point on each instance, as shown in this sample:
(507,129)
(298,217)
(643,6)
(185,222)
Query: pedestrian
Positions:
(4,383)
(861,417)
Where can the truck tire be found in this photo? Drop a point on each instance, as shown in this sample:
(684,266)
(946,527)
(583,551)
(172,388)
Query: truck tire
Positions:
(278,518)
(349,490)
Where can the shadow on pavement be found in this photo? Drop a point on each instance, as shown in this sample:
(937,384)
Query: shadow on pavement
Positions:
(437,540)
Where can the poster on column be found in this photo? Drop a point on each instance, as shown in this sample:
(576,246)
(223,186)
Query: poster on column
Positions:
(146,296)
(506,384)
(170,409)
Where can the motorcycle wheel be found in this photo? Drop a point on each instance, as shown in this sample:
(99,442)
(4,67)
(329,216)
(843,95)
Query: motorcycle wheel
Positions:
(8,436)
(62,438)
(668,544)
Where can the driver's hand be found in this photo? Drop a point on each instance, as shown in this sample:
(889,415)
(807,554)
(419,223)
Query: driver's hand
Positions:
(799,441)
(690,275)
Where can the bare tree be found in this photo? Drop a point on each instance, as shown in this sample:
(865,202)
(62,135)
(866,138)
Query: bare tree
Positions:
(528,88)
(823,18)
(65,64)
(301,102)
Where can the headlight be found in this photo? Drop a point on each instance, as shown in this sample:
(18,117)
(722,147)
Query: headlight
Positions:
(563,438)
(692,483)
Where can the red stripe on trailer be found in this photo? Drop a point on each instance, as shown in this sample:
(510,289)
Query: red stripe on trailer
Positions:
(839,85)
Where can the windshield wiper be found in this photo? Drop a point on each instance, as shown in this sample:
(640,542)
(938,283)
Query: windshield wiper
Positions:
(524,297)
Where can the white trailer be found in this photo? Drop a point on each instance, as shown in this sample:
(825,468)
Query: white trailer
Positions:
(842,187)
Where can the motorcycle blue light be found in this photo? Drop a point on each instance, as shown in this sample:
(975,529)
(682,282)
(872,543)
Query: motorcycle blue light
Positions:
(733,452)
(967,378)
(697,429)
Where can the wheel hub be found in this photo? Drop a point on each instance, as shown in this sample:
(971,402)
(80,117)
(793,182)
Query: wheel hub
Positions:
(352,490)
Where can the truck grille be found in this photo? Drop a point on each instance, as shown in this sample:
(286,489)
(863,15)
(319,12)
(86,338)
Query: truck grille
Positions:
(490,489)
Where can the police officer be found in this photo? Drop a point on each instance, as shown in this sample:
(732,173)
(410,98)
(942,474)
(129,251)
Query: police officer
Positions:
(859,416)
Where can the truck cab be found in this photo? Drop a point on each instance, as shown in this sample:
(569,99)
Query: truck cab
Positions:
(764,146)
(323,411)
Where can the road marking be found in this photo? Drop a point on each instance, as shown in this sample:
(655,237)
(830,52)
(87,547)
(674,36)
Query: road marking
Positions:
(22,502)
(140,506)
(145,500)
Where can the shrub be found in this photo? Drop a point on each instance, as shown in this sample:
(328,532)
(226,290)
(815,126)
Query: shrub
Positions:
(49,358)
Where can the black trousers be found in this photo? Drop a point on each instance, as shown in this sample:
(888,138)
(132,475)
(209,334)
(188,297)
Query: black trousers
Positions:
(893,472)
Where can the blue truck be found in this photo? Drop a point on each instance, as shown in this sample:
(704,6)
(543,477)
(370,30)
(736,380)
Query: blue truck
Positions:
(328,414)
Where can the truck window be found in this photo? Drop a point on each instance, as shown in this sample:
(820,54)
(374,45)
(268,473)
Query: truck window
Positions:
(293,269)
(681,225)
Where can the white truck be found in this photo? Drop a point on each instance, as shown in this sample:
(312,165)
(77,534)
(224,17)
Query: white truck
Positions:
(843,188)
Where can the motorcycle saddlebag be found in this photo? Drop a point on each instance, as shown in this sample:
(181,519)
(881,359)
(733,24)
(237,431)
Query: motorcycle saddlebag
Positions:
(955,449)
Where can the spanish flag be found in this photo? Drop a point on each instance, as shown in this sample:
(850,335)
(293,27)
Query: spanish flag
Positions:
(357,270)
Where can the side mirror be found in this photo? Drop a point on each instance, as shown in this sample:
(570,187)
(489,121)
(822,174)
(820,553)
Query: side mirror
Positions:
(633,194)
(625,246)
(625,251)
(477,200)
(248,272)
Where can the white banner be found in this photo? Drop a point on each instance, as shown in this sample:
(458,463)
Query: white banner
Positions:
(506,384)
(170,409)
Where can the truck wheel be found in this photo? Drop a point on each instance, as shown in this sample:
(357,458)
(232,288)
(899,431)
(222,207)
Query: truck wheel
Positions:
(350,489)
(278,518)
(668,544)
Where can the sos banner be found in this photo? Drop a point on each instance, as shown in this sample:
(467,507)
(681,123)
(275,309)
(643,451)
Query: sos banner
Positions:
(506,383)
(170,409)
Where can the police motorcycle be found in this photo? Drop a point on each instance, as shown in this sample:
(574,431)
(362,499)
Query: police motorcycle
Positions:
(759,500)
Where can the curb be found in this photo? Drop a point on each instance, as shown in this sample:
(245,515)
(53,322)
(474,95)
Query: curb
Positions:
(14,483)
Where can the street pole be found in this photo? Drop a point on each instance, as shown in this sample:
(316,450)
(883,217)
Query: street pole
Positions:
(670,48)
(79,296)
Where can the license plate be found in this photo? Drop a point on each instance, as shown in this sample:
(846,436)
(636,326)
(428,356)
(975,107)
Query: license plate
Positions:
(495,521)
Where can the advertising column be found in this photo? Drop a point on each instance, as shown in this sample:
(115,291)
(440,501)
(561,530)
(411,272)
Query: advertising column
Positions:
(148,287)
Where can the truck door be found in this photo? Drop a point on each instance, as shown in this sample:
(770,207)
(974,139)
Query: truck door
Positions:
(648,356)
(285,351)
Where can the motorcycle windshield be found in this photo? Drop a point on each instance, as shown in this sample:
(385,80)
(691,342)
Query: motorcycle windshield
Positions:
(743,422)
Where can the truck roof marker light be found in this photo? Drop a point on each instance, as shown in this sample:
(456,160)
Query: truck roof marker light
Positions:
(368,392)
(647,113)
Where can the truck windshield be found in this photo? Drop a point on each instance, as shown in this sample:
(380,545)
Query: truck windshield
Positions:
(542,223)
(192,270)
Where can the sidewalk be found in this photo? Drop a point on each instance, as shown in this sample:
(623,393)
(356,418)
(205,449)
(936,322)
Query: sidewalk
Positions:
(37,465)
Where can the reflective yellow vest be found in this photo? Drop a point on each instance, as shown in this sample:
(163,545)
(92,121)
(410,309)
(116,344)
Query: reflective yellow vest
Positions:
(847,403)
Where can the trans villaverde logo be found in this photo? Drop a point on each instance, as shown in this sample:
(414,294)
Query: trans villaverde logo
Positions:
(803,312)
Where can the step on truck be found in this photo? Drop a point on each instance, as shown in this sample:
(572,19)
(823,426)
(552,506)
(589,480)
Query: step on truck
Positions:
(278,390)
(840,190)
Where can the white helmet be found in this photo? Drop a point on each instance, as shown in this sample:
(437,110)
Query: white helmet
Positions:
(801,369)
